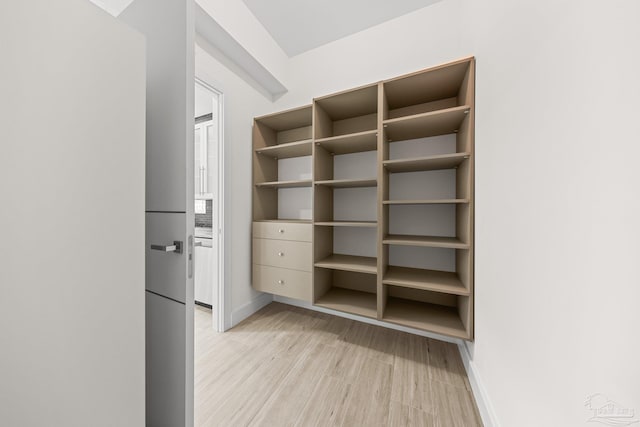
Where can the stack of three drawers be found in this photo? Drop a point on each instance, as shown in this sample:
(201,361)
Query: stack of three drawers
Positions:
(282,259)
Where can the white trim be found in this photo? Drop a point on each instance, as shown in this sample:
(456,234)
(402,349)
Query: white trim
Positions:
(485,407)
(363,319)
(220,311)
(241,313)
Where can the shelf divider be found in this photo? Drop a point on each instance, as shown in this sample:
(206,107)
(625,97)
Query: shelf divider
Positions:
(425,316)
(350,143)
(349,301)
(358,264)
(348,183)
(288,150)
(370,224)
(285,184)
(418,164)
(434,123)
(427,280)
(427,241)
(426,202)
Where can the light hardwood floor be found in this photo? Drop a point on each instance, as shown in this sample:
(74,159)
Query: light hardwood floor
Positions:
(286,366)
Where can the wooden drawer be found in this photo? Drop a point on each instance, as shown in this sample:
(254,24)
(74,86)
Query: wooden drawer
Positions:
(282,253)
(283,231)
(282,281)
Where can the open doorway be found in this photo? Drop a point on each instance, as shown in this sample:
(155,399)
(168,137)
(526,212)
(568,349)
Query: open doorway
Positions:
(209,197)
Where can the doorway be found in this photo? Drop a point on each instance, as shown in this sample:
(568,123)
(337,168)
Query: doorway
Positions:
(209,201)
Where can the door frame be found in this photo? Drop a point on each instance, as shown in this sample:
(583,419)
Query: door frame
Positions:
(221,314)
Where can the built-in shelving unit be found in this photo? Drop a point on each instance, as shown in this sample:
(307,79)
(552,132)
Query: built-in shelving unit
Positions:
(401,152)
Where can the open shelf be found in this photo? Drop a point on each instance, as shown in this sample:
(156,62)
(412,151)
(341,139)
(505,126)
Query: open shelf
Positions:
(350,143)
(428,280)
(348,183)
(288,150)
(358,264)
(445,161)
(423,125)
(425,316)
(371,224)
(426,202)
(285,184)
(293,221)
(349,301)
(429,241)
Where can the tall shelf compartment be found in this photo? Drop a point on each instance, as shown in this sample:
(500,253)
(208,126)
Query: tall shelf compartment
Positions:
(392,190)
(345,201)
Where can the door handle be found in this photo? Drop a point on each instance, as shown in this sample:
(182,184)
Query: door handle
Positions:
(176,247)
(198,244)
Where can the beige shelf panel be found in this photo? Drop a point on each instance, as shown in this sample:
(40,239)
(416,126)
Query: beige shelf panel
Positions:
(358,264)
(349,301)
(289,119)
(440,122)
(348,183)
(371,224)
(351,143)
(446,161)
(429,241)
(285,184)
(428,280)
(427,85)
(425,316)
(288,150)
(426,202)
(350,103)
(293,221)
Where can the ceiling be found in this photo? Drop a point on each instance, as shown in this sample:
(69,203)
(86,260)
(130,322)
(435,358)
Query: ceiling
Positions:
(301,25)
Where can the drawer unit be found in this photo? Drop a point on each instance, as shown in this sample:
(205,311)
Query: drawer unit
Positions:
(282,253)
(283,231)
(282,281)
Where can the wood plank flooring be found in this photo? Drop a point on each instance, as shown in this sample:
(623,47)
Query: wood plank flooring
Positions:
(287,366)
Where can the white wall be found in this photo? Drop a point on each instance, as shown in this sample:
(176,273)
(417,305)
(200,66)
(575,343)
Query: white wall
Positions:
(557,192)
(242,103)
(72,347)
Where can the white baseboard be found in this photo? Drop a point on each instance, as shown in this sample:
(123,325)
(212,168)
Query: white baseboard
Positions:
(485,408)
(241,313)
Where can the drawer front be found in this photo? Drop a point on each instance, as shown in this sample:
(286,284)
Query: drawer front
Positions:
(282,231)
(282,281)
(282,253)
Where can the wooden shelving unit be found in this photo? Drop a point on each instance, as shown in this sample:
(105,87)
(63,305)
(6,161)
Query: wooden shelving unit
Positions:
(419,129)
(283,135)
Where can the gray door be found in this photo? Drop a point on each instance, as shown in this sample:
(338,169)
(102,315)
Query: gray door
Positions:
(72,135)
(169,30)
